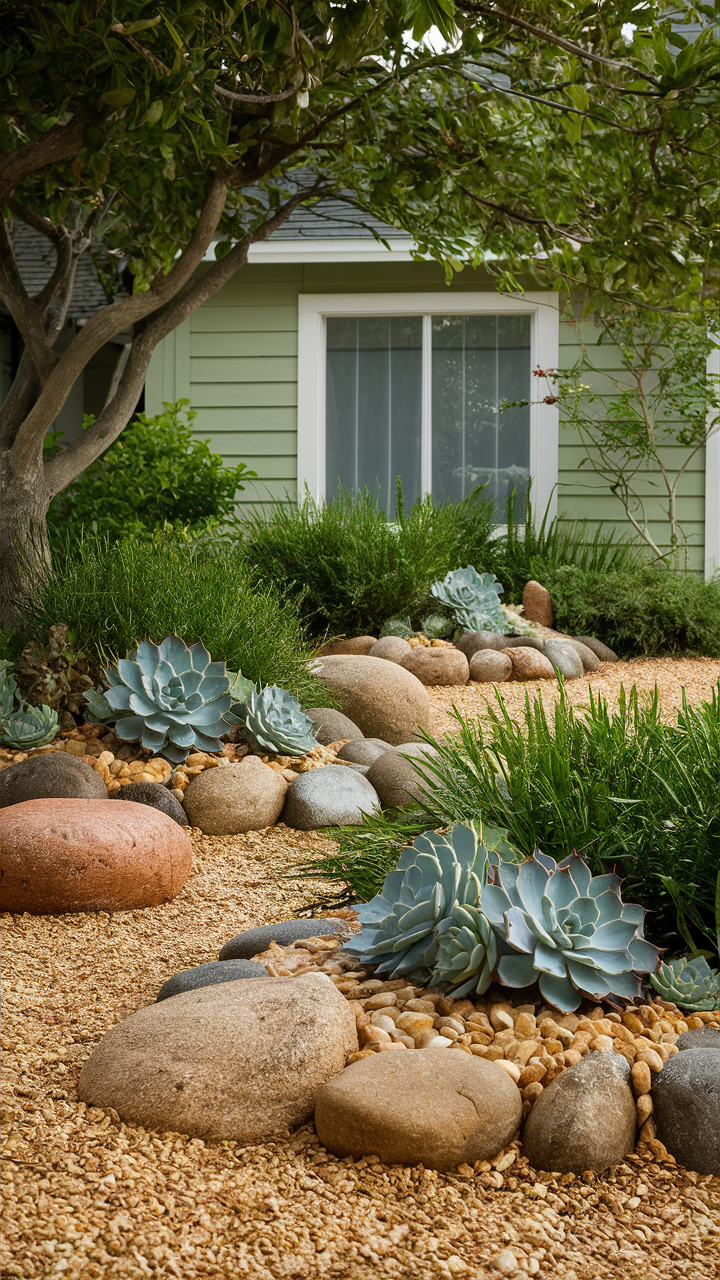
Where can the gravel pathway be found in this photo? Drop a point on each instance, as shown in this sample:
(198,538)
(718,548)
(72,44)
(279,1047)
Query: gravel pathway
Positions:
(88,1197)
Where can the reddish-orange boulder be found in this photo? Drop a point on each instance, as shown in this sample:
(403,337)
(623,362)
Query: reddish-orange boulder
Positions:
(89,855)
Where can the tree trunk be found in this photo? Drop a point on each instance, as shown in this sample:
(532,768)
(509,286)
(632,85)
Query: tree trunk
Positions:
(24,545)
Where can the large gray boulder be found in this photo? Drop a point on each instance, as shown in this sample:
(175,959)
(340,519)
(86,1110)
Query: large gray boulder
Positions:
(252,942)
(415,1107)
(396,780)
(686,1109)
(364,750)
(600,650)
(471,641)
(564,658)
(156,796)
(585,1119)
(55,776)
(528,663)
(488,666)
(589,659)
(238,1061)
(207,975)
(331,797)
(331,725)
(699,1038)
(239,797)
(382,698)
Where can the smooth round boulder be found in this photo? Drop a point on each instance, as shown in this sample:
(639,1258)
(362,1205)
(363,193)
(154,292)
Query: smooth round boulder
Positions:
(383,699)
(686,1109)
(360,645)
(437,664)
(590,660)
(528,664)
(238,797)
(56,775)
(584,1119)
(332,725)
(395,779)
(487,666)
(331,797)
(699,1038)
(564,658)
(600,650)
(254,941)
(156,796)
(207,975)
(537,603)
(364,751)
(237,1061)
(419,1107)
(471,641)
(391,648)
(65,855)
(523,642)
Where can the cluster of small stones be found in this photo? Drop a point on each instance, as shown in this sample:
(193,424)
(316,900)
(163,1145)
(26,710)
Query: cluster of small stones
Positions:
(121,763)
(532,1047)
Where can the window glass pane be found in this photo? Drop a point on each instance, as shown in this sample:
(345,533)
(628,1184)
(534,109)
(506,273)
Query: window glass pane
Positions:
(477,363)
(374,405)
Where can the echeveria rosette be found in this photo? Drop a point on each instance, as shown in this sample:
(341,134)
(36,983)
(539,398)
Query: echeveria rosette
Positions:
(467,952)
(29,727)
(403,924)
(569,929)
(473,599)
(689,983)
(175,698)
(274,721)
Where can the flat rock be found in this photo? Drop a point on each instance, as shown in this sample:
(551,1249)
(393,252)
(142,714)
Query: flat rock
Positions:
(89,855)
(437,665)
(686,1109)
(395,779)
(585,1119)
(471,641)
(331,725)
(239,797)
(382,698)
(486,666)
(600,650)
(565,658)
(155,795)
(705,1038)
(207,975)
(391,648)
(252,942)
(360,645)
(528,664)
(56,775)
(364,751)
(537,603)
(590,660)
(329,797)
(419,1107)
(240,1061)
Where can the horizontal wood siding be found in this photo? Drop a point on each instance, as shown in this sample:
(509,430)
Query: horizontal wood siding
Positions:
(235,359)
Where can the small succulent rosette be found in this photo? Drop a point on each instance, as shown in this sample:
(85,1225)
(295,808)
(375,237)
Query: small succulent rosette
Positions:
(473,599)
(274,722)
(689,983)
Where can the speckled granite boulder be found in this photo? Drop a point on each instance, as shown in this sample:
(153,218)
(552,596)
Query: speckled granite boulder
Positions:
(239,797)
(686,1109)
(700,1038)
(391,648)
(528,664)
(437,665)
(564,658)
(585,1119)
(486,665)
(382,698)
(331,797)
(364,750)
(395,779)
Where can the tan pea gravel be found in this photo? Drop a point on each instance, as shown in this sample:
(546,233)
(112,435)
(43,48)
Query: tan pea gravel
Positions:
(89,1197)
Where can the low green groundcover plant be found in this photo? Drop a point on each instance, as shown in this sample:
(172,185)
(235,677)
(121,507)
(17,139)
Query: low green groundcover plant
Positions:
(114,594)
(625,790)
(156,474)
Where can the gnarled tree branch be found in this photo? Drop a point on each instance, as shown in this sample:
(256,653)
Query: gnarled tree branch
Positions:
(61,143)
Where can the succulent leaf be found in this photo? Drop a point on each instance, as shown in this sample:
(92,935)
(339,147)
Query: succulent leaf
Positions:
(275,722)
(437,626)
(29,727)
(689,983)
(397,627)
(98,706)
(473,599)
(8,690)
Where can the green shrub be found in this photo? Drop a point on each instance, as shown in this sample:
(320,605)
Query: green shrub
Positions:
(349,569)
(639,609)
(112,595)
(625,790)
(157,473)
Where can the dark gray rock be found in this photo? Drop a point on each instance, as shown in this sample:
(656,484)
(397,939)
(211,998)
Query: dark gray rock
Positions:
(686,1109)
(600,650)
(527,642)
(331,725)
(707,1038)
(589,659)
(253,941)
(364,751)
(55,776)
(564,658)
(585,1119)
(471,641)
(331,797)
(206,975)
(155,795)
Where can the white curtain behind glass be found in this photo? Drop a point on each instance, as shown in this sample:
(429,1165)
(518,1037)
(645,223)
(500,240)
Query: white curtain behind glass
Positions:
(477,363)
(374,405)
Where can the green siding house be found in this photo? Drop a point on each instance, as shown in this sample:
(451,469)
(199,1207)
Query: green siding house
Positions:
(333,356)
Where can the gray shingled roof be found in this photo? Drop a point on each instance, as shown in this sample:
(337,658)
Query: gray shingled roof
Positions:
(335,220)
(35,258)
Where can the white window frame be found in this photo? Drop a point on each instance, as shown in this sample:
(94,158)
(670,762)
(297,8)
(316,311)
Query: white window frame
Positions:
(313,312)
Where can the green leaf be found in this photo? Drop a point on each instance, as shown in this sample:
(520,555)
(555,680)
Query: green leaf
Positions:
(118,98)
(154,112)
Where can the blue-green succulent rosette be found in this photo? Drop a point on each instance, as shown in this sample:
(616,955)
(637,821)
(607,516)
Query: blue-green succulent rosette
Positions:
(569,930)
